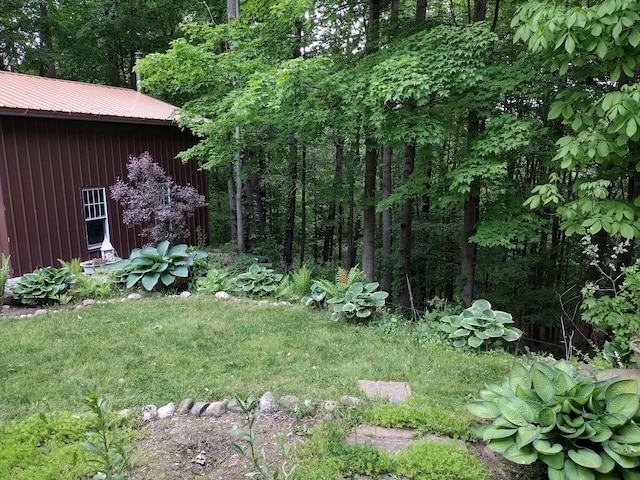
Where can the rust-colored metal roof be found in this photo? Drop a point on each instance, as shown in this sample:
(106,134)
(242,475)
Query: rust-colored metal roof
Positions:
(49,97)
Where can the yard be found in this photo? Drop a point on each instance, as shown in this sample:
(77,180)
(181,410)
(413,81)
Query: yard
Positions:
(161,350)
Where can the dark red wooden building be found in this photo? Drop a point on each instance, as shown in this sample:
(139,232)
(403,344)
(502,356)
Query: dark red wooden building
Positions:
(62,145)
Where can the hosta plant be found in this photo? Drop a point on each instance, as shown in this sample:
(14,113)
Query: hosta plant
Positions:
(359,301)
(44,286)
(580,428)
(478,325)
(258,280)
(153,267)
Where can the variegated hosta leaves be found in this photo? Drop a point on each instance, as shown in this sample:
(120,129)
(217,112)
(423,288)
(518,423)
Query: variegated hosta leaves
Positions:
(479,325)
(580,428)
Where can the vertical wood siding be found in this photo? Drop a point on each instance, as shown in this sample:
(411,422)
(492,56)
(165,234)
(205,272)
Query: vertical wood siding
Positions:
(44,164)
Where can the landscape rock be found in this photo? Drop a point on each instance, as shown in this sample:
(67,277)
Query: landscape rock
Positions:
(198,408)
(288,402)
(263,303)
(347,400)
(87,302)
(149,412)
(185,294)
(267,403)
(185,406)
(329,406)
(40,311)
(166,411)
(215,409)
(134,296)
(222,295)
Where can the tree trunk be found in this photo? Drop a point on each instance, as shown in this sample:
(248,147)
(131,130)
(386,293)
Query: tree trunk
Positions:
(287,254)
(369,213)
(471,213)
(330,225)
(239,221)
(231,192)
(387,241)
(352,230)
(469,249)
(370,160)
(303,207)
(250,217)
(258,203)
(404,244)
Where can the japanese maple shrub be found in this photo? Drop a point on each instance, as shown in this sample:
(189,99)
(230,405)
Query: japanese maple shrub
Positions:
(153,201)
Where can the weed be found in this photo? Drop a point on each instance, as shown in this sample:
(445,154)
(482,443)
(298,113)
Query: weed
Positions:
(108,444)
(259,462)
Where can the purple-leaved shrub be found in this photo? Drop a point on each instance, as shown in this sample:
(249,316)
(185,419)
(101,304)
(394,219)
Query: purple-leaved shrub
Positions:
(153,201)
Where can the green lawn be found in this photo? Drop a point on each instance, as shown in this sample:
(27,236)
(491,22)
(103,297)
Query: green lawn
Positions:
(163,350)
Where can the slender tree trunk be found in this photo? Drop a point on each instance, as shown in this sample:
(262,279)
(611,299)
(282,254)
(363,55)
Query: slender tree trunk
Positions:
(239,217)
(46,40)
(250,217)
(258,203)
(232,203)
(471,213)
(387,241)
(329,233)
(404,245)
(469,249)
(369,215)
(303,207)
(352,229)
(287,255)
(421,11)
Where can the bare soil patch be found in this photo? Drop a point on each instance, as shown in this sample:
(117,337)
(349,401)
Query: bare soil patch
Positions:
(185,447)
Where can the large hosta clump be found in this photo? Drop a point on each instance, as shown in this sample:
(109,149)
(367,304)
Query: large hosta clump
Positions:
(580,428)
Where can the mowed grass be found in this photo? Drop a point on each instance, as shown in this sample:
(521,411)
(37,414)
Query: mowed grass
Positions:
(166,349)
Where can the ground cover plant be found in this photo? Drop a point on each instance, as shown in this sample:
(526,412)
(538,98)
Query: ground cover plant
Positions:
(162,350)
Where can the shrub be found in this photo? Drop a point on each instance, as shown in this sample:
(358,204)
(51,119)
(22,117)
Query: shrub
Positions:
(359,301)
(152,200)
(478,325)
(258,280)
(155,266)
(579,428)
(44,286)
(616,311)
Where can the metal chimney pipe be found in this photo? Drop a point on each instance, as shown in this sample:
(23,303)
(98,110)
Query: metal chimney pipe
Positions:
(137,56)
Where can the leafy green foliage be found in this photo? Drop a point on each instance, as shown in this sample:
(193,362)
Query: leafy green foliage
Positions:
(93,286)
(316,296)
(44,285)
(258,280)
(108,443)
(359,301)
(44,446)
(327,455)
(4,274)
(214,281)
(154,267)
(578,427)
(418,414)
(617,312)
(597,41)
(297,284)
(478,325)
(428,460)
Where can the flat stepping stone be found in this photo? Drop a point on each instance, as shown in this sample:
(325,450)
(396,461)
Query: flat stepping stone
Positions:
(389,439)
(396,392)
(623,373)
